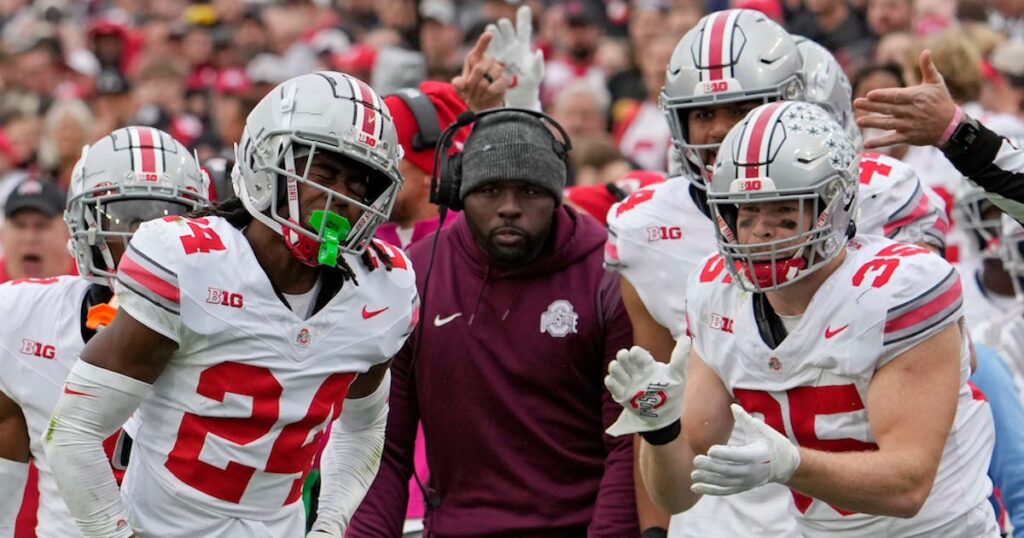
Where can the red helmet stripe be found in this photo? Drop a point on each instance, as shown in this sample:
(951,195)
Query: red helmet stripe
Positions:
(146,152)
(759,127)
(717,44)
(371,120)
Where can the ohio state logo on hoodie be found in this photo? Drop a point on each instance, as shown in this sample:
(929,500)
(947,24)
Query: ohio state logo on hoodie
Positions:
(559,319)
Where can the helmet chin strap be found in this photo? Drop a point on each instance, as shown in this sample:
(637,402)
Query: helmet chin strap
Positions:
(302,247)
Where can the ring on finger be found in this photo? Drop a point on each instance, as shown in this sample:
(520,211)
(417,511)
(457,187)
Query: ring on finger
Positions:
(488,78)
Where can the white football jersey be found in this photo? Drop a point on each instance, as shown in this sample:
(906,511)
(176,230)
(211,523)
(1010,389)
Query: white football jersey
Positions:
(884,299)
(656,237)
(981,305)
(235,419)
(895,204)
(40,340)
(1005,334)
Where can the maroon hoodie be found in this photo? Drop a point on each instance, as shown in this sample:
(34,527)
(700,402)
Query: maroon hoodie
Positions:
(508,382)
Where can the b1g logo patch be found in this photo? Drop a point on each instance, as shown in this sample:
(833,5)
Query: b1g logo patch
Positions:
(224,298)
(721,323)
(664,233)
(559,320)
(38,349)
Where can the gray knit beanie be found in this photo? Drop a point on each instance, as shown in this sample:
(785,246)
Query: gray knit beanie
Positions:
(512,146)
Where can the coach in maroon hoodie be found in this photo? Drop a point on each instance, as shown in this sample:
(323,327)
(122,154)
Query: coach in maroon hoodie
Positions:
(519,324)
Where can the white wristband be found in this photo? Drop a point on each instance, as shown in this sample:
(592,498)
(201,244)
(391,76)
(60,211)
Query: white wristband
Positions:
(95,402)
(13,476)
(351,458)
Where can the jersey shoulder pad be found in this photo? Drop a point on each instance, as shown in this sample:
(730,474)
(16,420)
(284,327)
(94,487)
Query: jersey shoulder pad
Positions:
(26,300)
(647,205)
(920,292)
(394,289)
(708,279)
(879,172)
(401,275)
(165,254)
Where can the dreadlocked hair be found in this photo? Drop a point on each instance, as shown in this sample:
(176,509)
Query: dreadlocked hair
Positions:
(230,210)
(233,211)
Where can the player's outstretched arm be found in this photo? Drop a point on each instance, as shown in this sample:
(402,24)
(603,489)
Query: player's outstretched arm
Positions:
(103,389)
(647,332)
(706,422)
(911,403)
(650,335)
(14,455)
(352,456)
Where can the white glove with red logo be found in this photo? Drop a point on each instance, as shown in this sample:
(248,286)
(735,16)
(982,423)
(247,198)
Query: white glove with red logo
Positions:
(650,392)
(768,457)
(524,67)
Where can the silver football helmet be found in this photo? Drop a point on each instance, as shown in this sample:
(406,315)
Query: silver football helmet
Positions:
(827,86)
(323,111)
(132,175)
(1011,252)
(729,56)
(969,207)
(785,151)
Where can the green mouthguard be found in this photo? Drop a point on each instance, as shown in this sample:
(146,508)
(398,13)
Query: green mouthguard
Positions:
(335,231)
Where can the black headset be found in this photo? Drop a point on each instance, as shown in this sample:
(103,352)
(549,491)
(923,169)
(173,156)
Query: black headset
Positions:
(425,114)
(446,181)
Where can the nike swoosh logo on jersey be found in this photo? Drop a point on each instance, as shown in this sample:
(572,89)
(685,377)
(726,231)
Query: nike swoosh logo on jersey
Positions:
(439,321)
(367,314)
(829,333)
(76,393)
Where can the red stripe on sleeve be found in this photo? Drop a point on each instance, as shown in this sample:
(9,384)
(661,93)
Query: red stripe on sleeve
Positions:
(153,283)
(925,311)
(976,392)
(918,212)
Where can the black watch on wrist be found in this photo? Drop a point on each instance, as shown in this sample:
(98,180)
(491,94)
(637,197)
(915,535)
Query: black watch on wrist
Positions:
(963,137)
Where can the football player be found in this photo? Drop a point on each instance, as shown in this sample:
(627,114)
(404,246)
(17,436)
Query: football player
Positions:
(847,348)
(130,176)
(1005,330)
(729,63)
(244,330)
(988,287)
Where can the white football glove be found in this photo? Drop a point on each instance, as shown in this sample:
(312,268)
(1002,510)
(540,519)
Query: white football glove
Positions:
(523,66)
(768,457)
(650,392)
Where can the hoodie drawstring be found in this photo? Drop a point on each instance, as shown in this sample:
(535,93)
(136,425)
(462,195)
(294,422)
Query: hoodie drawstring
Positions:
(515,298)
(479,295)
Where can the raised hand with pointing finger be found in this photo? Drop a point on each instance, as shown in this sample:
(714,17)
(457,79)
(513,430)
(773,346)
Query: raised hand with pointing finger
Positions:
(481,84)
(921,115)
